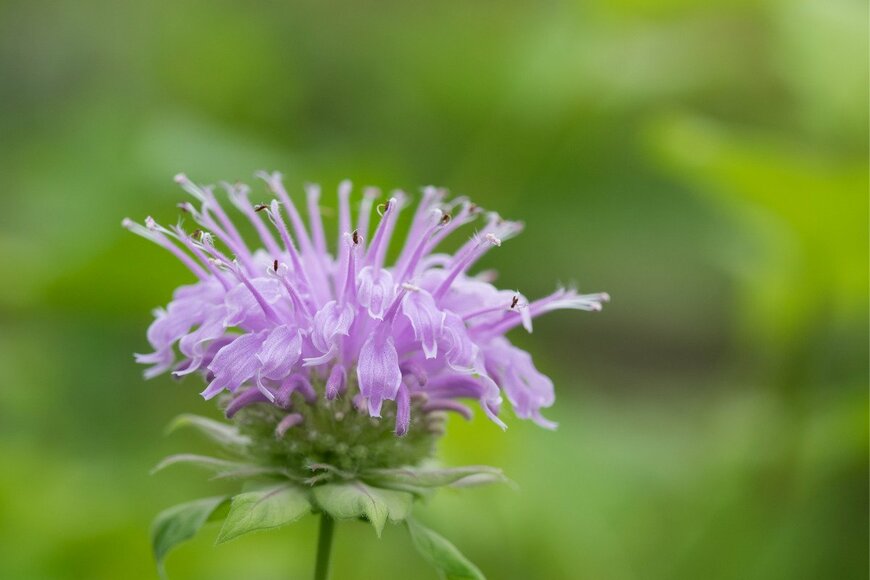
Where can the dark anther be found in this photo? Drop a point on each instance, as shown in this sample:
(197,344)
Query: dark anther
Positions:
(355,237)
(260,207)
(183,207)
(196,235)
(275,265)
(473,208)
(445,219)
(514,302)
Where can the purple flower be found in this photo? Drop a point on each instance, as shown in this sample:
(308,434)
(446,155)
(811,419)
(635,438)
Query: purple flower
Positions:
(288,314)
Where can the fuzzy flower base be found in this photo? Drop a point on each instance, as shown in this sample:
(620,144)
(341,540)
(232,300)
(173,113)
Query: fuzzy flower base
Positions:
(339,435)
(337,366)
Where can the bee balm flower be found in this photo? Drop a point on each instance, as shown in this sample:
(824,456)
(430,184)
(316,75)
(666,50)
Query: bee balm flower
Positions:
(288,315)
(337,368)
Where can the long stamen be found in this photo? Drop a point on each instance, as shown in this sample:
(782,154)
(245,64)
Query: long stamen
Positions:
(312,194)
(390,314)
(164,242)
(466,215)
(209,201)
(267,309)
(349,294)
(482,245)
(387,214)
(280,271)
(344,227)
(431,196)
(500,228)
(289,246)
(491,309)
(407,270)
(559,300)
(185,239)
(239,196)
(273,181)
(320,256)
(204,219)
(378,250)
(365,211)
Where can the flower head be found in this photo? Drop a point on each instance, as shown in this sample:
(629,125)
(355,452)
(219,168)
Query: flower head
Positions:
(289,316)
(337,368)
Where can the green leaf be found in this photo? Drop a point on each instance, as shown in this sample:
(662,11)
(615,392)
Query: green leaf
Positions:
(443,555)
(430,477)
(221,433)
(204,461)
(223,468)
(264,509)
(179,523)
(356,499)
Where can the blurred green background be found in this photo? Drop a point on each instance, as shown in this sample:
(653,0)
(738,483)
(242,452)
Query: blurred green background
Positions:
(705,162)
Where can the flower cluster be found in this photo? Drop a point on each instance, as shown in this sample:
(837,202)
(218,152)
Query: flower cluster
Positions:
(288,322)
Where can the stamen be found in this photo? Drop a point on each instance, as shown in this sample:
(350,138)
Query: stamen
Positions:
(482,245)
(278,221)
(349,293)
(267,309)
(204,219)
(189,243)
(312,193)
(206,196)
(161,240)
(432,196)
(365,210)
(273,182)
(239,196)
(559,300)
(299,304)
(377,250)
(407,270)
(339,269)
(466,215)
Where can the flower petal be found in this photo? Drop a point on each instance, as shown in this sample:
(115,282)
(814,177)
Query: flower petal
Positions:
(280,352)
(461,351)
(330,322)
(403,410)
(235,363)
(336,382)
(426,320)
(375,290)
(527,389)
(378,371)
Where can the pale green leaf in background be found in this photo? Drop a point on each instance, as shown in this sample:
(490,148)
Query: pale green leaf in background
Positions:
(181,522)
(443,555)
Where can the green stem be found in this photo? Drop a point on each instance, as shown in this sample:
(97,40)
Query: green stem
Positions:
(324,547)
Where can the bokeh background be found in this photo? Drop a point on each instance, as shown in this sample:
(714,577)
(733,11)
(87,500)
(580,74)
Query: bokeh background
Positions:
(706,162)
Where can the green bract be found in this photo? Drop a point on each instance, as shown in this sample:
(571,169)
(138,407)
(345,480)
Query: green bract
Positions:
(338,462)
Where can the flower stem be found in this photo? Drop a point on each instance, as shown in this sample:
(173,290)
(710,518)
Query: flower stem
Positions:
(324,547)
